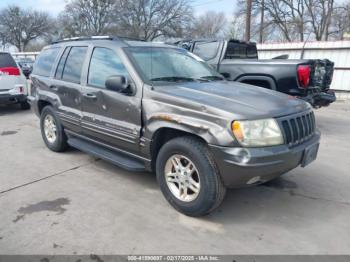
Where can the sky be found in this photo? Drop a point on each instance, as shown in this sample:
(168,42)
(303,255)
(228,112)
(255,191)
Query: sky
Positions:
(56,6)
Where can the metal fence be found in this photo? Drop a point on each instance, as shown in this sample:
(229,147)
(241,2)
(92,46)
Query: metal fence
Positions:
(336,51)
(32,55)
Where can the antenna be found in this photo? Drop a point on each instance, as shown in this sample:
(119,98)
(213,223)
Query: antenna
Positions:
(303,49)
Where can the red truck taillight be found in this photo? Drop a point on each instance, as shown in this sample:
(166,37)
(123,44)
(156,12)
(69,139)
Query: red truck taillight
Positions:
(304,75)
(12,71)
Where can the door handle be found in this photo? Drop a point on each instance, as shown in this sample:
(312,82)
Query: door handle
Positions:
(90,96)
(53,87)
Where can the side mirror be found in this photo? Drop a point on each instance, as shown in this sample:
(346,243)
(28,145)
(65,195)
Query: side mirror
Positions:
(26,73)
(118,83)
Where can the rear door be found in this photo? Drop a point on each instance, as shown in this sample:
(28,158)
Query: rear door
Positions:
(66,84)
(10,75)
(110,116)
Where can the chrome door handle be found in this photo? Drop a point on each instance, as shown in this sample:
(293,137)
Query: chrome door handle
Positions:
(90,96)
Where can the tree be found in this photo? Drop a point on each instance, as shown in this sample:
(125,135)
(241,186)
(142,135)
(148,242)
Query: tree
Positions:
(340,24)
(86,17)
(150,19)
(258,24)
(248,20)
(236,27)
(209,25)
(18,27)
(320,13)
(261,28)
(288,16)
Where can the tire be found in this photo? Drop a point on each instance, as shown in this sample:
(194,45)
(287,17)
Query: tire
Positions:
(25,105)
(211,190)
(59,143)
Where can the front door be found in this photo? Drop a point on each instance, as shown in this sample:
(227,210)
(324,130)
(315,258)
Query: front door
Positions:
(108,116)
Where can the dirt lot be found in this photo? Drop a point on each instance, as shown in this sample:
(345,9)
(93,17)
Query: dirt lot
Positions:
(72,203)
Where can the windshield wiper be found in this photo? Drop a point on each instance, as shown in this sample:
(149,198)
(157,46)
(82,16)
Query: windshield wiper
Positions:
(211,78)
(174,79)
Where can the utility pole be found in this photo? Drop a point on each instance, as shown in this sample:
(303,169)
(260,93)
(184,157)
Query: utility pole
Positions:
(261,33)
(248,20)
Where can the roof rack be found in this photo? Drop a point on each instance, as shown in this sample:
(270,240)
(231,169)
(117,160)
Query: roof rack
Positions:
(104,37)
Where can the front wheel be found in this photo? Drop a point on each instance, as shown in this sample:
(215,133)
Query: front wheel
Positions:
(188,176)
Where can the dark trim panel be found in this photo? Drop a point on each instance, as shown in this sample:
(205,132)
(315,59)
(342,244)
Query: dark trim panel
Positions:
(71,133)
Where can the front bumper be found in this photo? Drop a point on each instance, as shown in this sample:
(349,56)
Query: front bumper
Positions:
(265,163)
(6,99)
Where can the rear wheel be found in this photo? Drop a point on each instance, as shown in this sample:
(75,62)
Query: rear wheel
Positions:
(52,130)
(188,176)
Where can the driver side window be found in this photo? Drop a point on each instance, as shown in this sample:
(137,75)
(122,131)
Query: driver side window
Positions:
(104,63)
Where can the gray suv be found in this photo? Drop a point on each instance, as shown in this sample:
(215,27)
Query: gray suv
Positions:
(152,107)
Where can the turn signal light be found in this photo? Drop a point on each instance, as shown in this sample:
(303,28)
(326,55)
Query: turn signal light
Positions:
(237,130)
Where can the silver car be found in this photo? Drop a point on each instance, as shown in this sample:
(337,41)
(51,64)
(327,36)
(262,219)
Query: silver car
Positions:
(13,87)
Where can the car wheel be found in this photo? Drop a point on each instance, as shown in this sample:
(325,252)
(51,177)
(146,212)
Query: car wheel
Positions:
(188,176)
(25,105)
(52,130)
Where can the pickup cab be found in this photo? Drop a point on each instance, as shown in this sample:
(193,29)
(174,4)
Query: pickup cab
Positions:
(308,79)
(158,108)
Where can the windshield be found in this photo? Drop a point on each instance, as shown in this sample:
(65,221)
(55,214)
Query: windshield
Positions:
(157,64)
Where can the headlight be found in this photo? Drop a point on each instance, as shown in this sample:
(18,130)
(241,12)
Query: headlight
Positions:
(265,132)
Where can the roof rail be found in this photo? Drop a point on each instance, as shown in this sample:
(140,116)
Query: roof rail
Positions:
(82,38)
(103,37)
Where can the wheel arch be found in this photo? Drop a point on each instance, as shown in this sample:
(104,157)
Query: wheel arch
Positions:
(41,104)
(164,134)
(259,80)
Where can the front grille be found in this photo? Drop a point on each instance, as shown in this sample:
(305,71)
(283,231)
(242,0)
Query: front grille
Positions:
(298,128)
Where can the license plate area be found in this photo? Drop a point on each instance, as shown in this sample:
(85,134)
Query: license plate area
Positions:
(310,155)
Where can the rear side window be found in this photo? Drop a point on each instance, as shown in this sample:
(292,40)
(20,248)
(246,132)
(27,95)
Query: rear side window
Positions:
(104,63)
(6,60)
(74,64)
(241,50)
(207,50)
(44,63)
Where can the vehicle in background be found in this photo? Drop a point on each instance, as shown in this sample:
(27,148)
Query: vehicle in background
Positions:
(26,65)
(153,107)
(308,79)
(13,87)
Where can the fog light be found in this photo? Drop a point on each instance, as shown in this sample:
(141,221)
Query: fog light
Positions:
(243,156)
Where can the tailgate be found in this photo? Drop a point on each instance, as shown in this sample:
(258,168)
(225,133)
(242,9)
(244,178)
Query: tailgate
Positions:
(8,82)
(322,74)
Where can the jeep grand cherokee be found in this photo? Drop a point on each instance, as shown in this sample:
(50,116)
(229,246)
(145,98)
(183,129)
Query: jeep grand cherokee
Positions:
(152,107)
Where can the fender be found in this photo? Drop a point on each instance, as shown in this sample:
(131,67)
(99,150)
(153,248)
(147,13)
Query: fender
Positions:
(52,98)
(209,131)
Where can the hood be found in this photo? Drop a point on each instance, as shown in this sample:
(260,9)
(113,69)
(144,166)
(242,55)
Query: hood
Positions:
(242,100)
